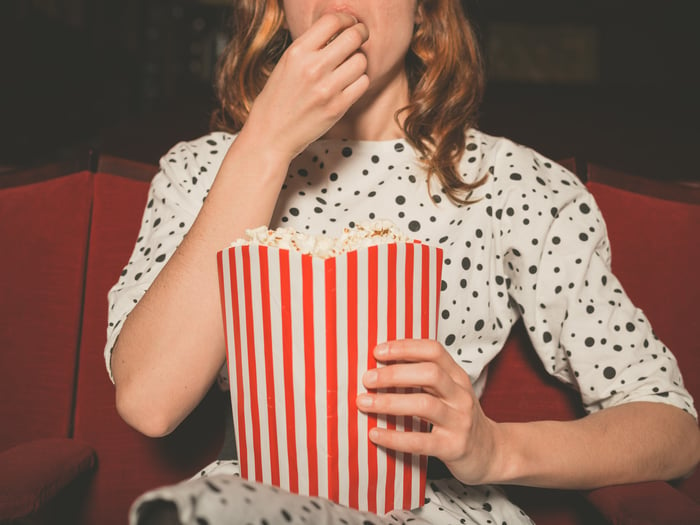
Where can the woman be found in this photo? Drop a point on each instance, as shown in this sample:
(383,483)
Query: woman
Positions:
(333,112)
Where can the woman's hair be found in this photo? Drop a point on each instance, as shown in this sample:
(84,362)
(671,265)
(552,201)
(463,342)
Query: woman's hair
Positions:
(443,66)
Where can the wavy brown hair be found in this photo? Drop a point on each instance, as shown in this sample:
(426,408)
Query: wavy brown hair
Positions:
(443,65)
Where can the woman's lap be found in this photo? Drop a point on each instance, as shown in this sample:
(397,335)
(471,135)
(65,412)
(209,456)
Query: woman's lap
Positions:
(219,496)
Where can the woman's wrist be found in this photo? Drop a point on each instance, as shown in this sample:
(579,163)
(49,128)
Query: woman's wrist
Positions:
(509,459)
(256,158)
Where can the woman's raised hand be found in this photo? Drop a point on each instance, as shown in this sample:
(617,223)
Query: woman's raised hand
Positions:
(317,79)
(462,437)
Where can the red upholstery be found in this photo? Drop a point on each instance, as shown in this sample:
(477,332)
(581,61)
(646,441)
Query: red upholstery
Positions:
(43,231)
(514,393)
(40,470)
(650,503)
(129,463)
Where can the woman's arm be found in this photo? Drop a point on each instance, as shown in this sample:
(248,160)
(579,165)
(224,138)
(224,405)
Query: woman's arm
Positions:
(639,441)
(627,443)
(171,345)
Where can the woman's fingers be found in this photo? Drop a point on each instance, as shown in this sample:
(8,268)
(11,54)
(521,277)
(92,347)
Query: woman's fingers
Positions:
(424,406)
(420,351)
(421,443)
(325,29)
(349,41)
(428,376)
(349,78)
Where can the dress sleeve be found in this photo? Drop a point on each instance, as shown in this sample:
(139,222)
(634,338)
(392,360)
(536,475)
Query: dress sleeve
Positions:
(582,324)
(174,199)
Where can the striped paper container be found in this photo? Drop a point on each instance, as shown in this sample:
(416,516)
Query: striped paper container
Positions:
(300,331)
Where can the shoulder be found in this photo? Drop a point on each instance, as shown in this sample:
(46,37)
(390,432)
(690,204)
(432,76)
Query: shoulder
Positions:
(198,159)
(187,172)
(513,169)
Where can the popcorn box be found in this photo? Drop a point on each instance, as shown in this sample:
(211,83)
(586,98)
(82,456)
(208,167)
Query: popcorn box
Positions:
(300,331)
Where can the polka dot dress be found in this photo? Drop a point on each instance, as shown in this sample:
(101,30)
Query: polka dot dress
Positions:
(533,246)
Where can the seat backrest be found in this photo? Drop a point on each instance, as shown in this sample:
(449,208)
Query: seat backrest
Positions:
(44,236)
(129,463)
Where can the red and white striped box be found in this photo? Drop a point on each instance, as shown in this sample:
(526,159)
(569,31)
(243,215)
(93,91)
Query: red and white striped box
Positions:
(300,331)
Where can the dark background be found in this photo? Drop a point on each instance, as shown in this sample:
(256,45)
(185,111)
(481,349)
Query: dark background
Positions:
(132,77)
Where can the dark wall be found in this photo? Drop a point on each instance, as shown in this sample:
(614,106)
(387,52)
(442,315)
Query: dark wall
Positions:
(131,77)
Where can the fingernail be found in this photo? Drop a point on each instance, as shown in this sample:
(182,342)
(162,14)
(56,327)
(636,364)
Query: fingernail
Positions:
(370,377)
(373,434)
(364,401)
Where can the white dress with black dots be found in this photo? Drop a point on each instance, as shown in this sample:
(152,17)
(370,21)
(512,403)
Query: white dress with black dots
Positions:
(533,246)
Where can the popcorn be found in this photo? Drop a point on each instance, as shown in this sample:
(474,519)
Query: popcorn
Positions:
(363,235)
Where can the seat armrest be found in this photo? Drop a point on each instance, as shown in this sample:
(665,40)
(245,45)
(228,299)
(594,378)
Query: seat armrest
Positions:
(654,502)
(33,473)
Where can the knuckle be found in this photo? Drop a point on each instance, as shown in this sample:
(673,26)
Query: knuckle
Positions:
(355,37)
(435,349)
(359,61)
(425,404)
(323,92)
(313,74)
(386,375)
(362,59)
(332,22)
(294,52)
(433,374)
(468,403)
(336,108)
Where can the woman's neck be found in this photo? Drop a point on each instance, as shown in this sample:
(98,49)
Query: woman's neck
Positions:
(373,116)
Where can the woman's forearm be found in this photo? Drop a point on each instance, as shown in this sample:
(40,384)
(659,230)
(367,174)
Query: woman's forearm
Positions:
(171,345)
(624,444)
